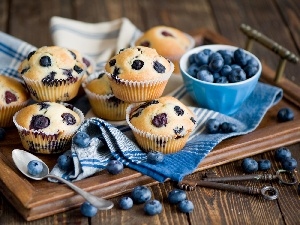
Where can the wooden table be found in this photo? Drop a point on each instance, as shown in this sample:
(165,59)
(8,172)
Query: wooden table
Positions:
(279,20)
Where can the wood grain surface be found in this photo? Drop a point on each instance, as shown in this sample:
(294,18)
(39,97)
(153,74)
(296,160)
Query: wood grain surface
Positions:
(277,19)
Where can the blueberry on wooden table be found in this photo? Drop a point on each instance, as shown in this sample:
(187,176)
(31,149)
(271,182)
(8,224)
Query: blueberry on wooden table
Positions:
(34,167)
(285,114)
(125,203)
(249,165)
(186,206)
(264,164)
(140,194)
(152,207)
(282,153)
(289,164)
(114,167)
(88,210)
(176,195)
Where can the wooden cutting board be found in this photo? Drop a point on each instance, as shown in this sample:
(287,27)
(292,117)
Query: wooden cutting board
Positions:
(38,199)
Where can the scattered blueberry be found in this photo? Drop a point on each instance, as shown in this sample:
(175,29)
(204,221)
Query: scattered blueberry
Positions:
(125,203)
(175,196)
(264,164)
(114,167)
(140,194)
(289,164)
(88,210)
(249,165)
(282,153)
(285,114)
(34,167)
(227,127)
(81,139)
(186,206)
(155,157)
(152,207)
(65,161)
(212,126)
(2,133)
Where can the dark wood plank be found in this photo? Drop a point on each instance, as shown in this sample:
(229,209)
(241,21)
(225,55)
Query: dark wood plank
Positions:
(4,12)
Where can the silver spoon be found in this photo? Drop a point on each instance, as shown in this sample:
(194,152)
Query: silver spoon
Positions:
(21,158)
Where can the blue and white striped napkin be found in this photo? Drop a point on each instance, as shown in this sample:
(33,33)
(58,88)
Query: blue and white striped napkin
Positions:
(115,140)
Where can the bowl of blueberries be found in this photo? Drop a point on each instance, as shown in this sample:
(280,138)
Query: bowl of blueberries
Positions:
(220,77)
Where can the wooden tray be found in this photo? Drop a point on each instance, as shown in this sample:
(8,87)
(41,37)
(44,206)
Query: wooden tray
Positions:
(38,199)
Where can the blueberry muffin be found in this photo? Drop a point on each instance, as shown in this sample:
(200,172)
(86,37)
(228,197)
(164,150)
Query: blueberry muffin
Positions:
(47,127)
(13,97)
(103,102)
(52,73)
(168,42)
(138,74)
(162,124)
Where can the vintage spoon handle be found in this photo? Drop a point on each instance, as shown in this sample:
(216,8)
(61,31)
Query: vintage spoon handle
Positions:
(99,203)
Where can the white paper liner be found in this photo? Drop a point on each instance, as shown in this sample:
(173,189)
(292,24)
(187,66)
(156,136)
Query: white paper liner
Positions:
(7,113)
(102,106)
(163,143)
(139,91)
(37,141)
(64,92)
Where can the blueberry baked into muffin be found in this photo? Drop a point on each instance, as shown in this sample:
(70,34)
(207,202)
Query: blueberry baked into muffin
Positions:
(47,127)
(169,42)
(103,102)
(138,74)
(162,124)
(52,73)
(13,97)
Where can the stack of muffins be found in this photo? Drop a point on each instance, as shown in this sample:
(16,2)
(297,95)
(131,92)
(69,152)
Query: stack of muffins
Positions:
(138,76)
(53,76)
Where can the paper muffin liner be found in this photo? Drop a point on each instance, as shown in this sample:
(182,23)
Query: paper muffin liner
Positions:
(107,107)
(7,113)
(41,142)
(63,90)
(163,143)
(139,91)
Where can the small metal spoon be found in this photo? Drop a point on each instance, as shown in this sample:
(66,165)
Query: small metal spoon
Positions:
(21,158)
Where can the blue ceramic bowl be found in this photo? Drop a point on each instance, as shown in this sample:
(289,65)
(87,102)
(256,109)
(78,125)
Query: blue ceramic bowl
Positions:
(224,98)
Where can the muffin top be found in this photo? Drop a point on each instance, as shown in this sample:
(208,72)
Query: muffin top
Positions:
(139,64)
(48,117)
(165,116)
(12,92)
(52,64)
(167,41)
(99,84)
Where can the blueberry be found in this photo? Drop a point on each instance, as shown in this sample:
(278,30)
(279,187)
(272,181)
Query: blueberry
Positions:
(160,120)
(212,126)
(264,164)
(155,157)
(227,56)
(193,70)
(68,118)
(202,57)
(2,133)
(152,207)
(250,71)
(81,139)
(298,189)
(112,62)
(191,59)
(176,195)
(78,69)
(235,66)
(285,114)
(252,62)
(88,210)
(39,122)
(186,206)
(125,203)
(65,161)
(225,71)
(240,57)
(227,127)
(179,111)
(140,194)
(114,167)
(282,153)
(289,164)
(221,80)
(34,167)
(216,75)
(216,64)
(236,75)
(45,61)
(137,64)
(205,75)
(160,68)
(9,97)
(249,165)
(30,54)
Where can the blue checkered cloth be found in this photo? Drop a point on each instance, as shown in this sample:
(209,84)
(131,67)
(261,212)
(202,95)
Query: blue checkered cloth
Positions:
(116,141)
